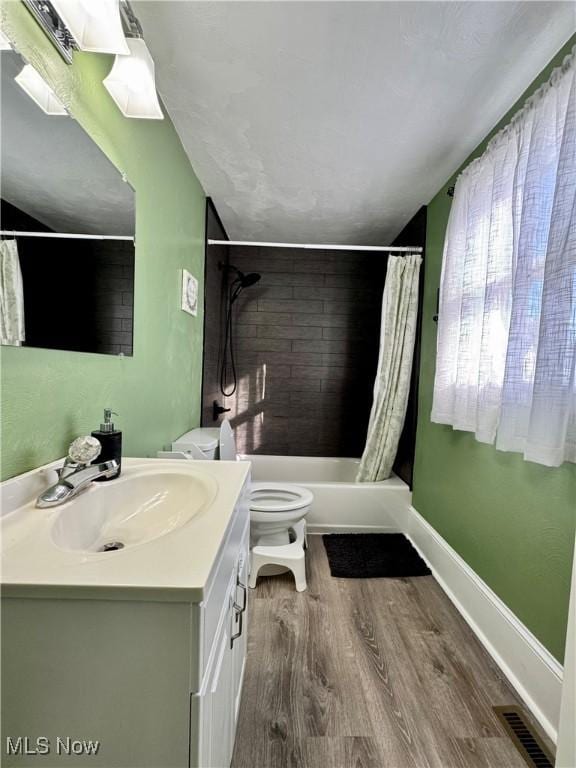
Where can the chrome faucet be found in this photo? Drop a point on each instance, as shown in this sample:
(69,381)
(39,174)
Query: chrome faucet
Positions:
(77,473)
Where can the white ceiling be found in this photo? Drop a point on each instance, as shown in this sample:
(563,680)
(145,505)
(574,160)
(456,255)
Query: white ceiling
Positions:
(52,170)
(334,121)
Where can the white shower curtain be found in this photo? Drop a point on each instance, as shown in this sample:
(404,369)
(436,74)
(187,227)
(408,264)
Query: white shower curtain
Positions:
(392,385)
(11,295)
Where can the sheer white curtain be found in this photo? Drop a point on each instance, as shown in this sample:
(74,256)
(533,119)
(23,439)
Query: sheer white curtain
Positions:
(506,349)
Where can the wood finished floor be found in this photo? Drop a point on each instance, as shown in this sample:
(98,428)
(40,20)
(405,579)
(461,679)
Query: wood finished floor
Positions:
(368,673)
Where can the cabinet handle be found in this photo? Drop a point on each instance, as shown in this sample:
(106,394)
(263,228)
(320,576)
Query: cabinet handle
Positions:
(236,635)
(244,598)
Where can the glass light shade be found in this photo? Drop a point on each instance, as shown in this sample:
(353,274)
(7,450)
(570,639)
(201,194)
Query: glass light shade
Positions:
(5,44)
(132,85)
(95,25)
(39,91)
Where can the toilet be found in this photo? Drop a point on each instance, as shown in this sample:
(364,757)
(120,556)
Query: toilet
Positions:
(200,444)
(277,510)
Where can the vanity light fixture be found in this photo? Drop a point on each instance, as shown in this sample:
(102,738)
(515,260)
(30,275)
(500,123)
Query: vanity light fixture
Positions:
(39,91)
(131,82)
(96,26)
(5,44)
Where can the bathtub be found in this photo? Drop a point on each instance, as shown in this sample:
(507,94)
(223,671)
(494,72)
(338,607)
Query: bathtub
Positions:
(340,504)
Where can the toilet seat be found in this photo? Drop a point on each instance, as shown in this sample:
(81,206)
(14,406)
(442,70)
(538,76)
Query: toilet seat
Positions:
(279,497)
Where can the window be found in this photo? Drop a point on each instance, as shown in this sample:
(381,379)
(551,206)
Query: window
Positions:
(506,354)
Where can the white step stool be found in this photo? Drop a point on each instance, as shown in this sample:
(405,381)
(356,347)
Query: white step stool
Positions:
(291,556)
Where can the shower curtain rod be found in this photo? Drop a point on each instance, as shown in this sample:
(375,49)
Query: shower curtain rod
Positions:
(394,248)
(67,235)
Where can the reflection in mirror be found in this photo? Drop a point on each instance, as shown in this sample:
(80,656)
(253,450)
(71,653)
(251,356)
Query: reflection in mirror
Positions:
(67,222)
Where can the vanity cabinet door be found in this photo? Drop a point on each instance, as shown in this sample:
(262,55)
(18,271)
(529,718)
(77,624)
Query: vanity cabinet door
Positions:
(213,708)
(240,627)
(221,711)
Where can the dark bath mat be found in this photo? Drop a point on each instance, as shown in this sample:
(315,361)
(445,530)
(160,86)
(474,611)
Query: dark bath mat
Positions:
(372,555)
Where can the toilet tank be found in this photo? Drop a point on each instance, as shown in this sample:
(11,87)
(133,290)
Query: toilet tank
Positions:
(203,438)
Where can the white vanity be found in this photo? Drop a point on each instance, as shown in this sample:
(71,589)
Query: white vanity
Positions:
(142,648)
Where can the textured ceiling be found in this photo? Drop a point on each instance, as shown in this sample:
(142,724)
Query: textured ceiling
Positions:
(334,121)
(53,171)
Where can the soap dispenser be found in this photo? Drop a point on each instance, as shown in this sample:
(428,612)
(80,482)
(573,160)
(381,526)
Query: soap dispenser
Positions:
(111,441)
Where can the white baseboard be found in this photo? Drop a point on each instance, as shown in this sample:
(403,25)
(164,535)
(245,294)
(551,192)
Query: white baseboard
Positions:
(530,668)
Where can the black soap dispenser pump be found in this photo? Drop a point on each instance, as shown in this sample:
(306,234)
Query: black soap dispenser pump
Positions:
(111,441)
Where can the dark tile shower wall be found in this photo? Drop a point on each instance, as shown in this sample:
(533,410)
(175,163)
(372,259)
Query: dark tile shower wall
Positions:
(113,315)
(307,340)
(93,279)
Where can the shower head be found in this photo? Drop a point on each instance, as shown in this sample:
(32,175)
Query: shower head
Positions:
(244,281)
(247,280)
(233,289)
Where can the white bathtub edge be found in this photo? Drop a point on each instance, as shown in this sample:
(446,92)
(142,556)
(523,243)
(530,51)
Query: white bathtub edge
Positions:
(320,529)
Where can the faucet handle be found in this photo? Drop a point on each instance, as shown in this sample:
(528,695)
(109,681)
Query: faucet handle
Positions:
(84,450)
(81,452)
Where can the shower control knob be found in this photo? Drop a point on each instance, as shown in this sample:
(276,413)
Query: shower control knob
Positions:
(217,410)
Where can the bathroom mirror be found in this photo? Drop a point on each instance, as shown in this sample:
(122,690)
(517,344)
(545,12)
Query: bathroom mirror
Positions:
(59,291)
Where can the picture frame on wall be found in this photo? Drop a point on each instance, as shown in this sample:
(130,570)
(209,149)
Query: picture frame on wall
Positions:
(189,293)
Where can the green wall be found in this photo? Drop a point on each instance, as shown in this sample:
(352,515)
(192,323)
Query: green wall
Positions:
(511,520)
(49,397)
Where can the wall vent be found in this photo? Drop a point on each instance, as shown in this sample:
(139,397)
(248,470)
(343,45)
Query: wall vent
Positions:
(518,727)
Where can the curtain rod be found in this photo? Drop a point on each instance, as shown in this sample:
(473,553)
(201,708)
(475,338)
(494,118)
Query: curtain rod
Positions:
(398,248)
(67,235)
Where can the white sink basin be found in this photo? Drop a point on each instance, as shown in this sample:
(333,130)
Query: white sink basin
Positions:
(171,516)
(133,510)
